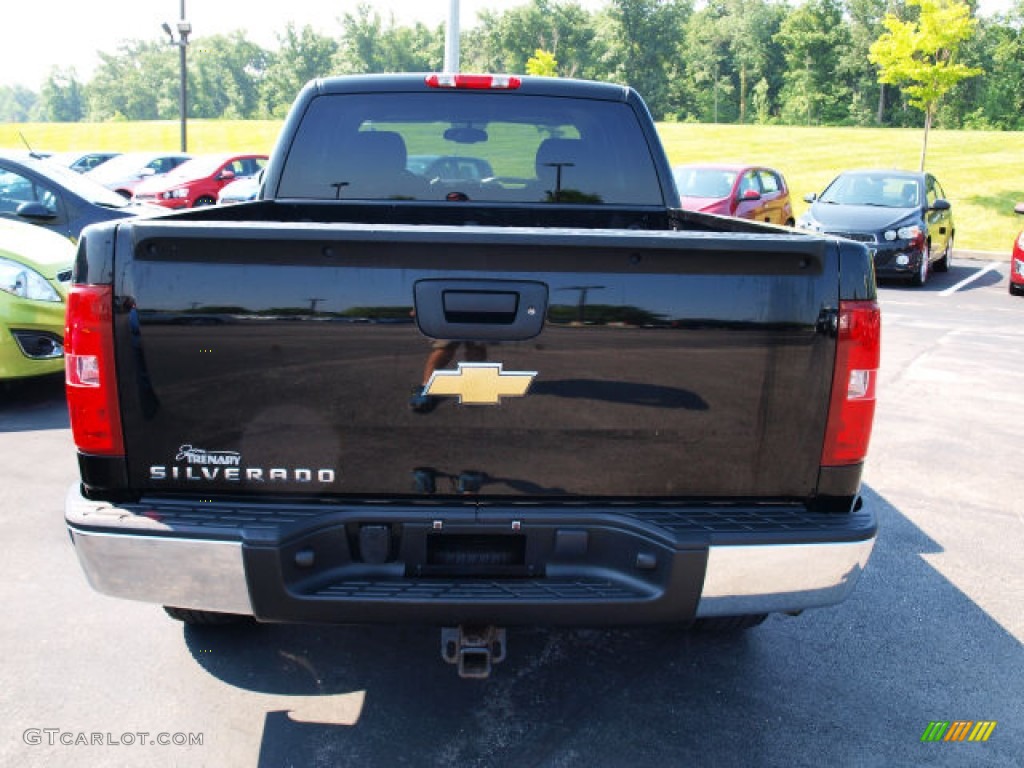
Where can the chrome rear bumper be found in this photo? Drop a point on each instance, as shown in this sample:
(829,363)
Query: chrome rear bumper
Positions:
(781,577)
(130,555)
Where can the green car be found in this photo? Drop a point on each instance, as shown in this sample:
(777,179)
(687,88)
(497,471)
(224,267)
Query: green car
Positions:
(35,271)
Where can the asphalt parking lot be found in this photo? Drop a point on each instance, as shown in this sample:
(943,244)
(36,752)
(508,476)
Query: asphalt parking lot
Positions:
(933,632)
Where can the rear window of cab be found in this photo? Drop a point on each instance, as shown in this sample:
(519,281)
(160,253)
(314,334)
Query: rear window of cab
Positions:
(476,146)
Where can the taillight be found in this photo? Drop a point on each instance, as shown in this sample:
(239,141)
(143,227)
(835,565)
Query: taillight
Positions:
(89,371)
(852,406)
(474,82)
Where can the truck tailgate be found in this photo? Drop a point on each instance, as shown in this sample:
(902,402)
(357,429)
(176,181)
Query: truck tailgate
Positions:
(279,358)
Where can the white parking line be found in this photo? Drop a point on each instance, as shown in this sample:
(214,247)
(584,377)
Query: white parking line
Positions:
(968,280)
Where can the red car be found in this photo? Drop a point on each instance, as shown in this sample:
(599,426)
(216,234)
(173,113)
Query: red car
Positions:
(1017,260)
(198,181)
(743,191)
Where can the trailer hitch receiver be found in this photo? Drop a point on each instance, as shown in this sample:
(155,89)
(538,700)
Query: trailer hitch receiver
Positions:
(473,649)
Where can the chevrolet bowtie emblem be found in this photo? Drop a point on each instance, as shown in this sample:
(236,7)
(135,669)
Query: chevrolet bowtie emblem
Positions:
(480,383)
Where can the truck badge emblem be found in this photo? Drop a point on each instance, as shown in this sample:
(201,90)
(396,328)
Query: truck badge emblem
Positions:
(479,383)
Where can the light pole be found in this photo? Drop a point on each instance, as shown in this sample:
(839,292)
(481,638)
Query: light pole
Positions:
(451,38)
(184,30)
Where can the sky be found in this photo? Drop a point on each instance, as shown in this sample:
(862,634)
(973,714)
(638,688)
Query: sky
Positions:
(69,33)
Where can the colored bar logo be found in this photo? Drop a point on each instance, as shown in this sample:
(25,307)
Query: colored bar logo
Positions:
(958,730)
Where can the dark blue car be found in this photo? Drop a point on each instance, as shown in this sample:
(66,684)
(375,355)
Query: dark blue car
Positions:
(902,216)
(40,192)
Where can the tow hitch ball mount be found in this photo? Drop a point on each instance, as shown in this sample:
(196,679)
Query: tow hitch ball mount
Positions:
(473,649)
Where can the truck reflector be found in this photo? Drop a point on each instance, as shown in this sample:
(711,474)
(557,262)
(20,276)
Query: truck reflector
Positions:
(82,370)
(474,82)
(852,404)
(89,371)
(861,386)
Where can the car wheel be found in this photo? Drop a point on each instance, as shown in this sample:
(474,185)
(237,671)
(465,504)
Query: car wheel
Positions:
(205,200)
(943,264)
(202,618)
(1016,290)
(921,277)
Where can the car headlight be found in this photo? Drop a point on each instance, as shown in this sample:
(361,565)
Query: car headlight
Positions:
(904,233)
(175,193)
(1018,267)
(24,282)
(912,235)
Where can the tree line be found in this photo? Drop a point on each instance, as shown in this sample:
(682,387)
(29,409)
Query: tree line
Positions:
(734,61)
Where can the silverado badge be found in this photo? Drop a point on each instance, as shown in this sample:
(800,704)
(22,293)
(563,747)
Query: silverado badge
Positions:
(479,383)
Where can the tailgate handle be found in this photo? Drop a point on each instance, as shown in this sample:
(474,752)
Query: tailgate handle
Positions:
(480,306)
(495,310)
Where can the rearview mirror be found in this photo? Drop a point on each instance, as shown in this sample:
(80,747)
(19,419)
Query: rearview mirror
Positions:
(465,135)
(811,197)
(940,205)
(1019,208)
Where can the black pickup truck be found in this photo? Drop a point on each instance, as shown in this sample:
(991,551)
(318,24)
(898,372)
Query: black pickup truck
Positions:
(529,390)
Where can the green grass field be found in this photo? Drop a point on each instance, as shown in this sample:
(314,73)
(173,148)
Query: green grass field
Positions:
(981,171)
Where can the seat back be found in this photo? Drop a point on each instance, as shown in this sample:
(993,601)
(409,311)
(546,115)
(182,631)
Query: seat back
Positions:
(373,167)
(567,171)
(909,195)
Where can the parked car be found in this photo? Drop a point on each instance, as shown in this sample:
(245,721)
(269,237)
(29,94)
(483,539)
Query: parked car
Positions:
(82,162)
(241,190)
(450,167)
(902,216)
(1017,260)
(198,181)
(40,192)
(743,191)
(123,174)
(35,270)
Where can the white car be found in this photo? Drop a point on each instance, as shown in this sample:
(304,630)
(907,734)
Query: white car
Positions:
(241,190)
(82,162)
(124,173)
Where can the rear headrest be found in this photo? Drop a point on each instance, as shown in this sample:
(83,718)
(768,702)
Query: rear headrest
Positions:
(380,152)
(561,151)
